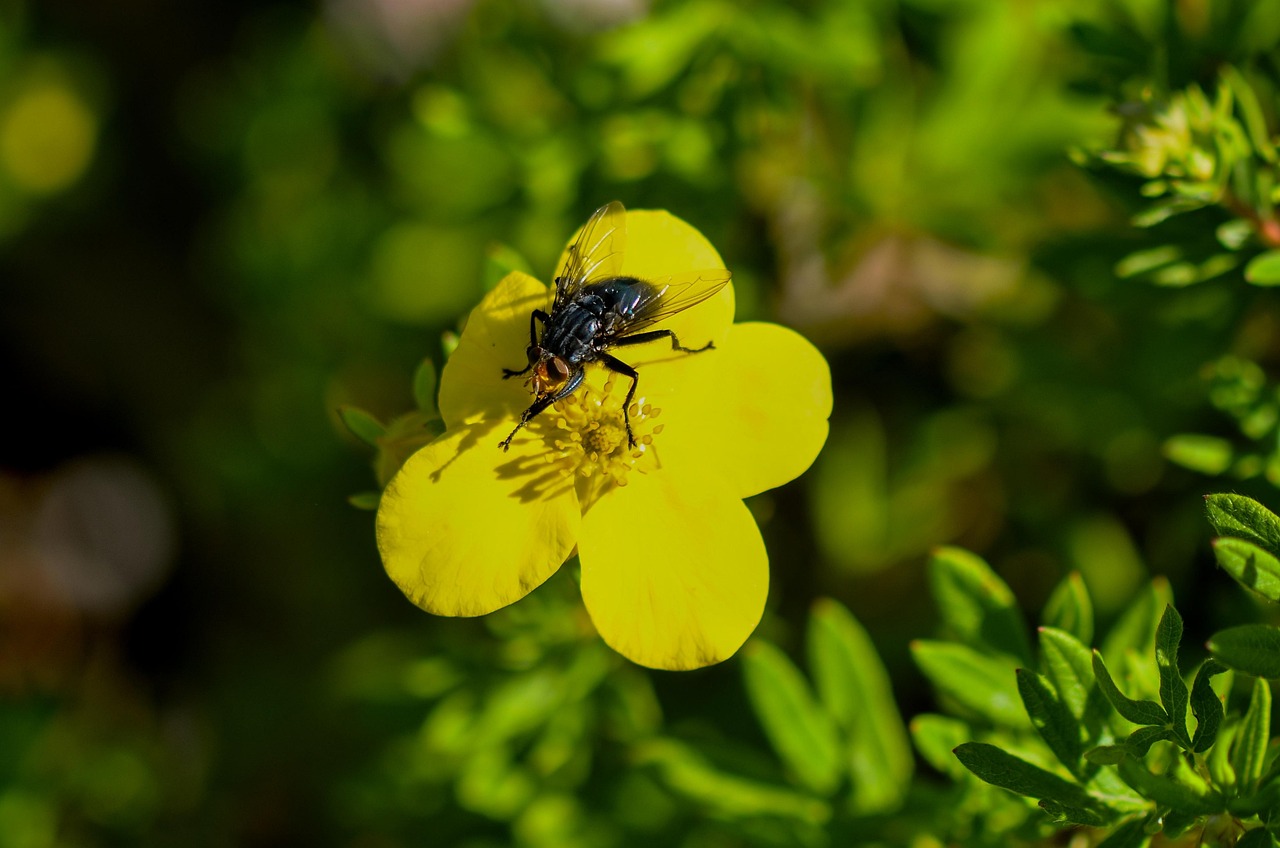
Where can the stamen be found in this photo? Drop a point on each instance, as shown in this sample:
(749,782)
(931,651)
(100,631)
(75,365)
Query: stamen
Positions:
(586,438)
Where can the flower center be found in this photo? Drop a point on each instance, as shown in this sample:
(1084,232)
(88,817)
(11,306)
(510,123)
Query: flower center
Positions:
(586,436)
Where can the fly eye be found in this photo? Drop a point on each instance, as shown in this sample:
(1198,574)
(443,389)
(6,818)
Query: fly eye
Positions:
(561,370)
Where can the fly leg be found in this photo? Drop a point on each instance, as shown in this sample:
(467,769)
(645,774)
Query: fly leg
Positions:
(536,316)
(654,335)
(617,366)
(541,404)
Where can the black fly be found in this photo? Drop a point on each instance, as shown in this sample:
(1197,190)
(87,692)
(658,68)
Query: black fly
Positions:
(597,308)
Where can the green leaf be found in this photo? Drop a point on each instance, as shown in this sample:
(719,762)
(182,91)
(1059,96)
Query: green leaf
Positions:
(800,732)
(1138,712)
(1133,638)
(1131,834)
(362,425)
(1219,760)
(1141,740)
(1264,803)
(1206,454)
(365,500)
(1147,260)
(1167,791)
(1245,518)
(1206,706)
(1070,667)
(976,605)
(1173,689)
(501,260)
(1251,566)
(1107,755)
(1066,814)
(689,775)
(1264,269)
(936,738)
(1250,752)
(1000,768)
(854,688)
(1051,718)
(1234,234)
(424,387)
(1070,609)
(1251,648)
(1254,121)
(1257,838)
(983,685)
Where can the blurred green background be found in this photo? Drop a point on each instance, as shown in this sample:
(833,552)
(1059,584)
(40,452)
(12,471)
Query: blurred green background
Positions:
(221,221)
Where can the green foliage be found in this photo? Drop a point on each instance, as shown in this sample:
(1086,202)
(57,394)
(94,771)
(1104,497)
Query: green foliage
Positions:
(855,690)
(1130,764)
(851,733)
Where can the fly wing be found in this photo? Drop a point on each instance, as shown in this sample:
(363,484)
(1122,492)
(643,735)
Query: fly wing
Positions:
(675,294)
(595,254)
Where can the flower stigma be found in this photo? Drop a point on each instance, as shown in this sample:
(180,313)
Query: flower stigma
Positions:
(586,438)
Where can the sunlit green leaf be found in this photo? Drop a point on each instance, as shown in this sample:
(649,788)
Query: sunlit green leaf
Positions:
(1249,754)
(1136,711)
(1251,648)
(1244,518)
(1069,608)
(1069,665)
(1206,454)
(936,738)
(1264,269)
(976,605)
(1234,234)
(854,687)
(800,732)
(979,683)
(1251,566)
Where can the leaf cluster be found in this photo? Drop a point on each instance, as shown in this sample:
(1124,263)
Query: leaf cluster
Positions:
(1110,738)
(1196,152)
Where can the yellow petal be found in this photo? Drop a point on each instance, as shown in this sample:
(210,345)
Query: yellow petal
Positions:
(465,529)
(759,418)
(495,337)
(674,573)
(659,245)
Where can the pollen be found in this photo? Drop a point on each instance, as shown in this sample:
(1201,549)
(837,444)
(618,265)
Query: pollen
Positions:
(588,438)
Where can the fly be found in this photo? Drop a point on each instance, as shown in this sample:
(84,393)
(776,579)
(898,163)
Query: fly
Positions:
(596,309)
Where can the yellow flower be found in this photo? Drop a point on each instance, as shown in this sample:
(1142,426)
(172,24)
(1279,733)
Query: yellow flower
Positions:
(674,572)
